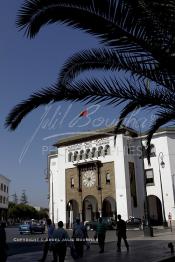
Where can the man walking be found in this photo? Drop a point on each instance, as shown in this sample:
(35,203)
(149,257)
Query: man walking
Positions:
(101,234)
(60,237)
(50,228)
(79,235)
(121,233)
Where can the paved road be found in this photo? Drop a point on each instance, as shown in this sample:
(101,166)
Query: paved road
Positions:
(29,243)
(140,251)
(20,243)
(12,234)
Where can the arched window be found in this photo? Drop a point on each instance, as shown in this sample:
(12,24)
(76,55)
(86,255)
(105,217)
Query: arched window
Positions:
(70,157)
(107,150)
(72,182)
(88,153)
(100,151)
(153,150)
(108,178)
(93,153)
(75,155)
(81,154)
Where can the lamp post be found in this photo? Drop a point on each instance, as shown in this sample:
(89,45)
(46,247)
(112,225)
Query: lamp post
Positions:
(162,164)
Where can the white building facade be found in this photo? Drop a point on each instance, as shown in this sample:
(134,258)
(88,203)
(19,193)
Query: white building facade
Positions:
(92,175)
(160,176)
(4,196)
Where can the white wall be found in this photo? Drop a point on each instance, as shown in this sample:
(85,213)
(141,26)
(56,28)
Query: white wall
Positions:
(167,146)
(119,155)
(60,188)
(120,178)
(171,156)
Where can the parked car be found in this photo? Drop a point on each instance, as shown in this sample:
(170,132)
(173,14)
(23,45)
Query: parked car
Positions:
(133,223)
(110,223)
(25,227)
(29,227)
(90,225)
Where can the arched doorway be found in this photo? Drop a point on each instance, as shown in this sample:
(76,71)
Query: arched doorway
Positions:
(90,208)
(72,211)
(155,210)
(109,207)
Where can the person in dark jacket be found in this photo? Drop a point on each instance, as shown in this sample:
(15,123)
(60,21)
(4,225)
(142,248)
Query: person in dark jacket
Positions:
(3,244)
(121,233)
(101,234)
(60,237)
(79,236)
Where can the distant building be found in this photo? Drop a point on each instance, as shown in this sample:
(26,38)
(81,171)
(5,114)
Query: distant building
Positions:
(4,196)
(37,208)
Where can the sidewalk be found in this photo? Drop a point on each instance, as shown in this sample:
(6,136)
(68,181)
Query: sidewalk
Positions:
(141,249)
(144,251)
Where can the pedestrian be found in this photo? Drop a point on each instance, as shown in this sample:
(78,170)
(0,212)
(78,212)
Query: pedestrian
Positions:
(101,234)
(50,229)
(60,239)
(121,233)
(86,240)
(3,244)
(79,236)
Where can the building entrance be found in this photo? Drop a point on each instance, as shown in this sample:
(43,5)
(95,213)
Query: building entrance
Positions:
(90,208)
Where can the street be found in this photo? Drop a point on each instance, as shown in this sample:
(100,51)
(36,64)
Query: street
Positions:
(18,244)
(28,243)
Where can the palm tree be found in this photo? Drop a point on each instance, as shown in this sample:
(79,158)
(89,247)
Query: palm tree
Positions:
(138,38)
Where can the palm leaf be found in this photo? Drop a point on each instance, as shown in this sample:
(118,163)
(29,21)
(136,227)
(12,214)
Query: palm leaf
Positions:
(109,59)
(163,118)
(106,20)
(111,92)
(87,15)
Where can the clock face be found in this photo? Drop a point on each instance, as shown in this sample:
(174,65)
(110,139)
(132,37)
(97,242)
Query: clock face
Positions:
(89,178)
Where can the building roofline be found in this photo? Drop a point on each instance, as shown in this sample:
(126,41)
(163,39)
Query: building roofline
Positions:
(94,134)
(52,153)
(162,130)
(5,177)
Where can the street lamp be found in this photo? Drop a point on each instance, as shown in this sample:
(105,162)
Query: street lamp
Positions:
(162,164)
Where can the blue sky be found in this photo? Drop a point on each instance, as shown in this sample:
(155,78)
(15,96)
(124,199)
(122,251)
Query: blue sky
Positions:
(27,66)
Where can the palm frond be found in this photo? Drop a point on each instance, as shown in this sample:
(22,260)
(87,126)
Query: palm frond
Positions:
(107,59)
(110,59)
(130,107)
(163,117)
(87,15)
(165,11)
(103,19)
(45,96)
(111,92)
